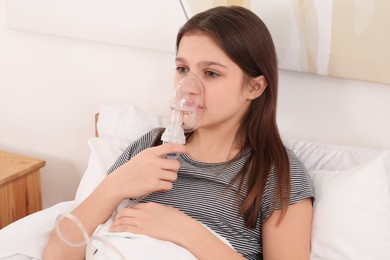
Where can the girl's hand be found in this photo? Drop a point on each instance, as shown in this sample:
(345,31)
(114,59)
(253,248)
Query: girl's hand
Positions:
(154,220)
(170,224)
(147,172)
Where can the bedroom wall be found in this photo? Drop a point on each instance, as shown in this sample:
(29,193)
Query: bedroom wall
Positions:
(50,89)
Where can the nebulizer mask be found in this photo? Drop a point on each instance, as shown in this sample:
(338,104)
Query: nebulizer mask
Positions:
(187,109)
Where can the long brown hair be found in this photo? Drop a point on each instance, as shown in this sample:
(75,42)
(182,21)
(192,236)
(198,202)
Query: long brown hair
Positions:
(244,37)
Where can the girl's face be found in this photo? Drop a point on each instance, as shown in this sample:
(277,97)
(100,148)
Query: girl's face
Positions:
(227,95)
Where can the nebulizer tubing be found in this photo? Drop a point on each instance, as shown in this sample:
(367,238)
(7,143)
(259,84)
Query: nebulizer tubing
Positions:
(96,236)
(187,107)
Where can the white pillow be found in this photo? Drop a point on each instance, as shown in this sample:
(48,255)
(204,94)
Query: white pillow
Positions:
(322,156)
(351,213)
(104,152)
(118,126)
(127,122)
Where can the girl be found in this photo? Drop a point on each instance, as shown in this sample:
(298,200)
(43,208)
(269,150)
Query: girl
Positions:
(234,174)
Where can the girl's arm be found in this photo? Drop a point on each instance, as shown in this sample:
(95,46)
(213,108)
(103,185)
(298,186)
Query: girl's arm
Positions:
(146,173)
(205,245)
(289,239)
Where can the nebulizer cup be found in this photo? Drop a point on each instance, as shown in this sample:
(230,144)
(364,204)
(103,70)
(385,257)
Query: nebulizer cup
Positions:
(187,109)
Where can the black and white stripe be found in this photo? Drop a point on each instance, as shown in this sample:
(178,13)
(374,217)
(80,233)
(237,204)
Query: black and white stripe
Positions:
(200,191)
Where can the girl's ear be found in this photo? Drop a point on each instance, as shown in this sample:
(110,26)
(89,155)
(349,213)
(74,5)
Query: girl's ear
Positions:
(256,87)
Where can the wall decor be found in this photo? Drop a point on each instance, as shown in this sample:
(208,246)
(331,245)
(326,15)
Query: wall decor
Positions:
(342,38)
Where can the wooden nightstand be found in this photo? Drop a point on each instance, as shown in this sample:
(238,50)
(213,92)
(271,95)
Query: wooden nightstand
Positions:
(20,187)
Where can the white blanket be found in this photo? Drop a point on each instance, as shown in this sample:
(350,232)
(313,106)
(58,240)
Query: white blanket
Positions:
(26,239)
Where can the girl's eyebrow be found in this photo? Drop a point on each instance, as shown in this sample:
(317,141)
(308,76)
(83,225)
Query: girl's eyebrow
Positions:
(179,59)
(202,63)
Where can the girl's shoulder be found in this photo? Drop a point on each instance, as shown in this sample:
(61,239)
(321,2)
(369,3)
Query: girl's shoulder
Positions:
(137,146)
(296,165)
(145,141)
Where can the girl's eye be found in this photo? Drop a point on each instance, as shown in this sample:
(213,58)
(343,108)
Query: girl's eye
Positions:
(181,69)
(211,74)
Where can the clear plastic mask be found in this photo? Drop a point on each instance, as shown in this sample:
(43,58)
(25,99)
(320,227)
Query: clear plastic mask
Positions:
(187,109)
(189,100)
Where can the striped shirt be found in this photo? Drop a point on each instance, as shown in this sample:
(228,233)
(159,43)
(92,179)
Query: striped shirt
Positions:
(201,192)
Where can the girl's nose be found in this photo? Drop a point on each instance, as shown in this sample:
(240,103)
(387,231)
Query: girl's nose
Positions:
(192,88)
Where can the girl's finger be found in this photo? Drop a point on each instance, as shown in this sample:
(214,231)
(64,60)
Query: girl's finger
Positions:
(169,164)
(165,185)
(126,213)
(122,226)
(167,175)
(168,148)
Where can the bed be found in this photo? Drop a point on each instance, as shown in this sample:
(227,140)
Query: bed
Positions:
(352,185)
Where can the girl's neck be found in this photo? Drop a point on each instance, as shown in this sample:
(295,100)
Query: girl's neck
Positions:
(213,146)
